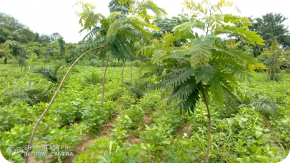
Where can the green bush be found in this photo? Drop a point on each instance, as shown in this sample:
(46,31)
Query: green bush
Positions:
(126,101)
(96,114)
(93,78)
(150,101)
(136,114)
(17,137)
(141,87)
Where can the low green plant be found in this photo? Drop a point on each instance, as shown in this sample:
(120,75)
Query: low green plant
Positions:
(107,150)
(140,87)
(63,140)
(136,114)
(119,132)
(96,114)
(49,72)
(16,138)
(150,101)
(93,78)
(126,101)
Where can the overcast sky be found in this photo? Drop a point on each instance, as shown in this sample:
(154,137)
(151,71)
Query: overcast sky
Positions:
(49,16)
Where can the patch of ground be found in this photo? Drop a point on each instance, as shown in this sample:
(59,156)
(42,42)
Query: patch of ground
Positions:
(85,145)
(147,120)
(134,140)
(184,129)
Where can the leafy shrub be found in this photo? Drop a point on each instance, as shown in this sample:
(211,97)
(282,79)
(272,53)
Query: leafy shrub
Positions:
(68,111)
(49,72)
(120,129)
(18,136)
(27,89)
(113,94)
(66,136)
(281,129)
(130,119)
(287,71)
(181,150)
(266,106)
(96,114)
(242,136)
(156,135)
(169,120)
(137,63)
(136,114)
(107,150)
(160,133)
(150,101)
(61,138)
(126,100)
(15,114)
(93,78)
(141,87)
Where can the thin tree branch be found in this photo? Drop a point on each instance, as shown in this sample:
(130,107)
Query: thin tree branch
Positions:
(52,99)
(104,78)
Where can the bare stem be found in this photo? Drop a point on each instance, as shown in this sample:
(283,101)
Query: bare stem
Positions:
(104,78)
(209,124)
(122,82)
(131,71)
(52,99)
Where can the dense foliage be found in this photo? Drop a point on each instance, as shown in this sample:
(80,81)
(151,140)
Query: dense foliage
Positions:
(156,70)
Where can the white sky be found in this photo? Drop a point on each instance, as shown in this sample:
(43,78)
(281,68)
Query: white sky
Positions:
(49,16)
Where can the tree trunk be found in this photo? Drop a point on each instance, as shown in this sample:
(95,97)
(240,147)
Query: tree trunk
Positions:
(122,82)
(270,74)
(104,78)
(5,61)
(209,124)
(274,78)
(51,101)
(131,72)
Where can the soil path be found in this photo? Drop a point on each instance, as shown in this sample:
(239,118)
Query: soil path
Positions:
(85,145)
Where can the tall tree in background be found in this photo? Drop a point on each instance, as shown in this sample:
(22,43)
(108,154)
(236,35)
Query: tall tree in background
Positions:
(269,27)
(54,36)
(61,44)
(11,29)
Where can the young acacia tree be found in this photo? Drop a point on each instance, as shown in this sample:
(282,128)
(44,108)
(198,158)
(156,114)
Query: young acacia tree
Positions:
(204,68)
(118,31)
